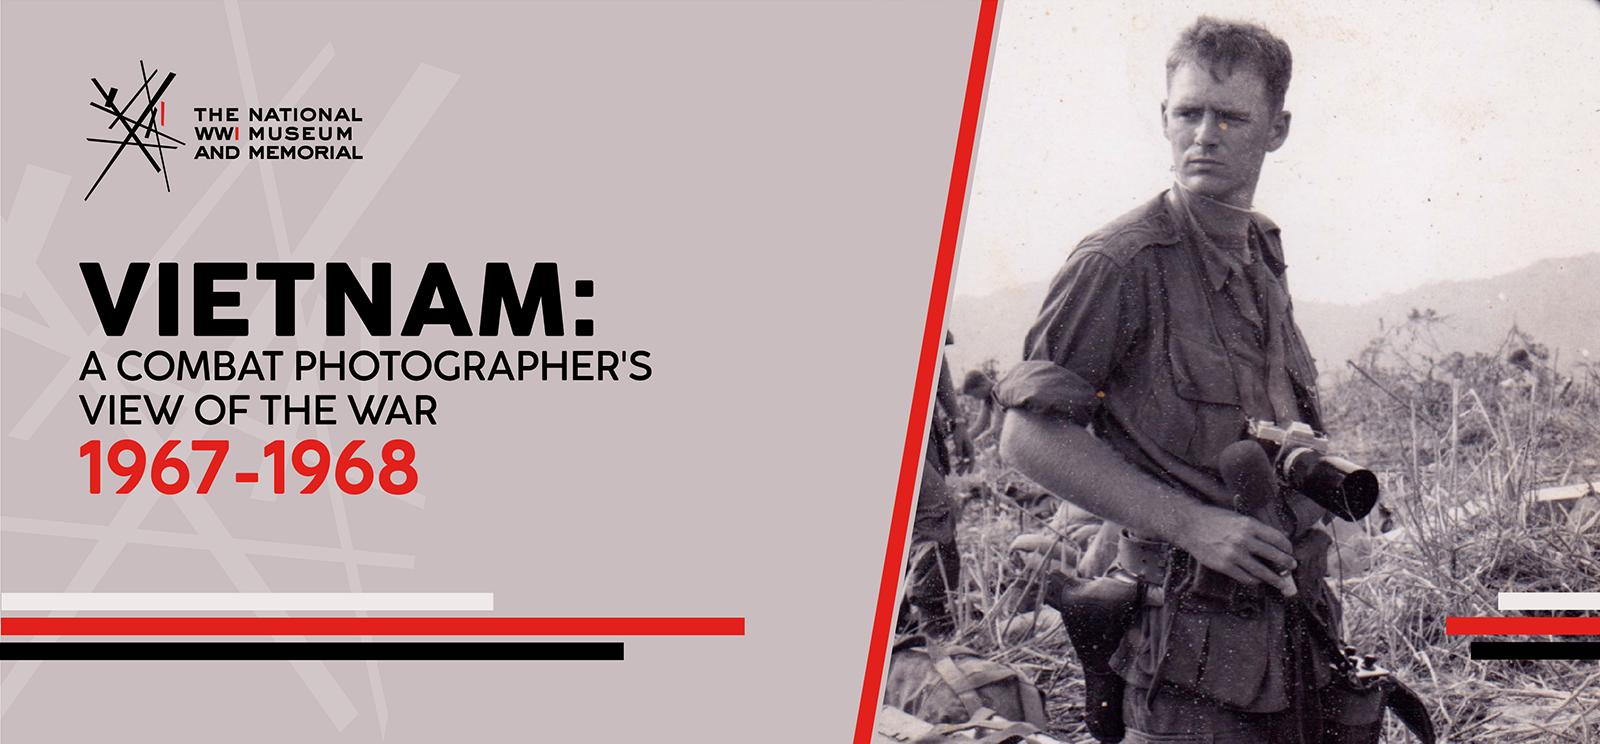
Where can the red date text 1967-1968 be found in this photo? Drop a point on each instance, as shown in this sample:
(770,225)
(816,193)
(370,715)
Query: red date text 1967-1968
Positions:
(169,472)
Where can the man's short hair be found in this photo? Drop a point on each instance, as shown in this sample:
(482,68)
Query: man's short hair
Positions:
(1220,46)
(977,384)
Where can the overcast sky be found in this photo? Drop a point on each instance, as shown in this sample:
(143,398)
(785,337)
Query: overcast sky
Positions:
(1429,140)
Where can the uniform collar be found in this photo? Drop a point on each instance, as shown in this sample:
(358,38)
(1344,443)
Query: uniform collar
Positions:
(1171,228)
(1222,263)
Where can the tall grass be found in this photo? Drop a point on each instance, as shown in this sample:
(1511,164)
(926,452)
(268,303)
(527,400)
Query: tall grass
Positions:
(1460,442)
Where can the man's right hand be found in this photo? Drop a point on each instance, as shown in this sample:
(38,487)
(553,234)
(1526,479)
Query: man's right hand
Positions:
(1066,459)
(1239,547)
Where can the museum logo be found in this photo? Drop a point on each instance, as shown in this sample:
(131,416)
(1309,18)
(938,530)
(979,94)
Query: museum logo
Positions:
(276,133)
(142,130)
(300,133)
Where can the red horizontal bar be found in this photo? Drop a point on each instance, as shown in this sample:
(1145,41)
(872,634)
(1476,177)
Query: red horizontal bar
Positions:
(1522,626)
(372,626)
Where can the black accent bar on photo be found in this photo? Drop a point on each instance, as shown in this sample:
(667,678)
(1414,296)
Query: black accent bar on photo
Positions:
(1535,650)
(311,651)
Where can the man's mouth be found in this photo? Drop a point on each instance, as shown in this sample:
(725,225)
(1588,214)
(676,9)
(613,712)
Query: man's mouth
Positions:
(1204,161)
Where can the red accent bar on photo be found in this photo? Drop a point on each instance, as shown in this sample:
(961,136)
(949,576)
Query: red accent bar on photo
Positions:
(1522,626)
(927,369)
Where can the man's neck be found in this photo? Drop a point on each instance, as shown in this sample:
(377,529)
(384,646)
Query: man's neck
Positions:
(1224,223)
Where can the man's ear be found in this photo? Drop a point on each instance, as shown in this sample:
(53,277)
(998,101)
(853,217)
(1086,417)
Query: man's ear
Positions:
(1280,131)
(1164,121)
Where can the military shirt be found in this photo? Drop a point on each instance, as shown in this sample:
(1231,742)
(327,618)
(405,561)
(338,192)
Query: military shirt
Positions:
(1166,349)
(1166,346)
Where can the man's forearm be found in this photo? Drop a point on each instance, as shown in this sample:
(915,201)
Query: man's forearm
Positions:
(1070,462)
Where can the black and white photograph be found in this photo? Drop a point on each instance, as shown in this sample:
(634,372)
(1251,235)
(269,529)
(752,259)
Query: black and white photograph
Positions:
(1268,412)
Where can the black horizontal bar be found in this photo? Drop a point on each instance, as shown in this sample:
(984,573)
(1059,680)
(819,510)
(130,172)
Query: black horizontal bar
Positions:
(1535,650)
(311,651)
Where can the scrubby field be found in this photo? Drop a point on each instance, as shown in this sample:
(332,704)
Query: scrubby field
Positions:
(1461,442)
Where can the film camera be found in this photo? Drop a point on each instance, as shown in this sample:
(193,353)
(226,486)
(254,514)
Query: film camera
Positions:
(1299,456)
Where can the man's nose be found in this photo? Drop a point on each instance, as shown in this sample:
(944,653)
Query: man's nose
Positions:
(1208,131)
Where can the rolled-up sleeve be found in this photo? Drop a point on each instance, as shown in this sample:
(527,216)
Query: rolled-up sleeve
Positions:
(1085,328)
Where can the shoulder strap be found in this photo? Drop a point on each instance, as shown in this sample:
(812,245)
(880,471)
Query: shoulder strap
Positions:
(958,681)
(1032,703)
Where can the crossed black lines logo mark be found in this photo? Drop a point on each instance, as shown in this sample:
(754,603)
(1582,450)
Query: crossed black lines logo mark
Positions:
(143,130)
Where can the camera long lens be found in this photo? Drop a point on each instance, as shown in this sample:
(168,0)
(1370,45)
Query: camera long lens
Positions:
(1338,485)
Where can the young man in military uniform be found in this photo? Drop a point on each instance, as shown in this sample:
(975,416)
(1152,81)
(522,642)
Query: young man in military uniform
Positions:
(933,566)
(1164,333)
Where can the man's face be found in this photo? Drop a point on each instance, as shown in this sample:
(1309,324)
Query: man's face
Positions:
(1221,130)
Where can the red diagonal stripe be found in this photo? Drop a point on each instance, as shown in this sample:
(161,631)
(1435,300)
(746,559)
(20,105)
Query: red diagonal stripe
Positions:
(927,368)
(1522,626)
(372,626)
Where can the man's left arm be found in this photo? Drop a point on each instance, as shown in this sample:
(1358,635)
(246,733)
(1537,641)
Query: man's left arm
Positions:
(960,441)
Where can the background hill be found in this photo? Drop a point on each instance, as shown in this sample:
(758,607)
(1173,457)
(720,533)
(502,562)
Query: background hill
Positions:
(1556,301)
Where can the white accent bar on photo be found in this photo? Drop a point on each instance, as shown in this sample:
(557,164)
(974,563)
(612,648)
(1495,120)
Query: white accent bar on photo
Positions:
(246,602)
(1510,601)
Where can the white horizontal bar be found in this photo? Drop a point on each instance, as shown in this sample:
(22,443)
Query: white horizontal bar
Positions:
(1510,601)
(245,601)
